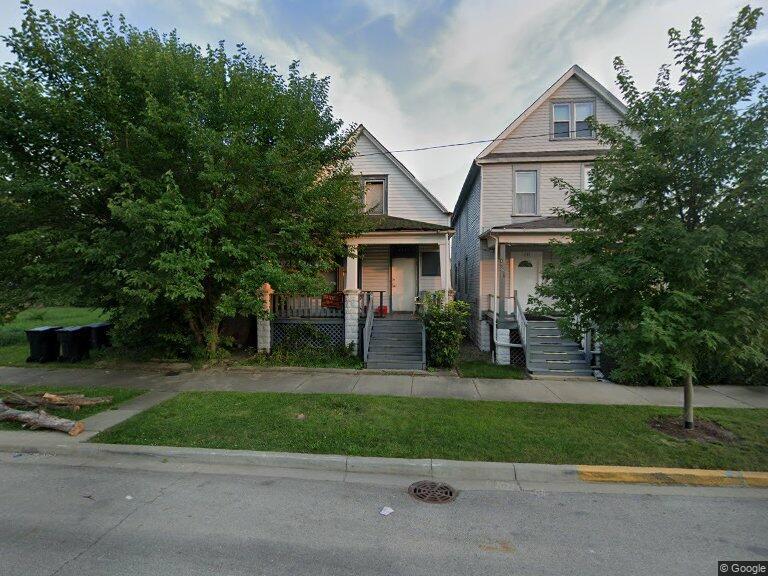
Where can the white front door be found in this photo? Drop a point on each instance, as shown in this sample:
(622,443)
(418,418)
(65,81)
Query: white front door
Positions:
(404,284)
(526,269)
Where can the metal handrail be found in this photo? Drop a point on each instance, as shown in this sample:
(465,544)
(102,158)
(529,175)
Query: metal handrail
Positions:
(368,299)
(522,326)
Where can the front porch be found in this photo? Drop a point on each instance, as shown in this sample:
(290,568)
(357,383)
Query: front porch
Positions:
(383,278)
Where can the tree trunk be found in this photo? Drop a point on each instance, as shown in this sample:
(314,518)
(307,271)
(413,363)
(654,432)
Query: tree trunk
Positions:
(688,402)
(40,419)
(212,338)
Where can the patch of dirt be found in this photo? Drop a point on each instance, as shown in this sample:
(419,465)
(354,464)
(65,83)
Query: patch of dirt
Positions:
(704,431)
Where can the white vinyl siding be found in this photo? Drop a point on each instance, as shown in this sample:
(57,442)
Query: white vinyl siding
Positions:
(533,135)
(375,271)
(403,198)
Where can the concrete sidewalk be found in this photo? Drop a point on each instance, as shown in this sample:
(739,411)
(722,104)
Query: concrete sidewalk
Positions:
(360,382)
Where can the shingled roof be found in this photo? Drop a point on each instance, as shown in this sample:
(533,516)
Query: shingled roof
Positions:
(387,223)
(546,223)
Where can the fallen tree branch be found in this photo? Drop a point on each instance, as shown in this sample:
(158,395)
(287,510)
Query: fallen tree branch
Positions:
(48,400)
(40,419)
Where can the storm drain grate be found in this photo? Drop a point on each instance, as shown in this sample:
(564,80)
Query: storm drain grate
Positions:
(432,492)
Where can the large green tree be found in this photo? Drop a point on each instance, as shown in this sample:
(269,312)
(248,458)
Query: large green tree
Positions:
(164,182)
(669,258)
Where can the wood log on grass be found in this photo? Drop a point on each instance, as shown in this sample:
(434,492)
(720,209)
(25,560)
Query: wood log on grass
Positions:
(48,400)
(40,419)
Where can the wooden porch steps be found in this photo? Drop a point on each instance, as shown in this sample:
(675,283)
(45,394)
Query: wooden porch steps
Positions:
(396,344)
(550,355)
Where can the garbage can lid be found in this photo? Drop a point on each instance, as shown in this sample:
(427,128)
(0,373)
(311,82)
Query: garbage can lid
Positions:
(71,329)
(42,328)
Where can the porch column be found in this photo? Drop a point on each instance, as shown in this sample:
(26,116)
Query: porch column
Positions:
(502,352)
(264,325)
(502,288)
(351,298)
(445,268)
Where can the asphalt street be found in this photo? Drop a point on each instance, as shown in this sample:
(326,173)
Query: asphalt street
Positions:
(100,520)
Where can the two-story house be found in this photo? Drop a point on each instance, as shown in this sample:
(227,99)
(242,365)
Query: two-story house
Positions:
(504,219)
(375,291)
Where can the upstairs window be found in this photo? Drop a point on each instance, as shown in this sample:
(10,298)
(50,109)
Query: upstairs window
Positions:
(570,119)
(561,115)
(586,178)
(525,192)
(373,191)
(582,111)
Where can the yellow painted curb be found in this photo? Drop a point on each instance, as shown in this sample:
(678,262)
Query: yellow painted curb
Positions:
(672,476)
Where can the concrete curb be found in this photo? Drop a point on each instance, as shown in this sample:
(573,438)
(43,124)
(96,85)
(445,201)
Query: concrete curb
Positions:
(520,474)
(673,476)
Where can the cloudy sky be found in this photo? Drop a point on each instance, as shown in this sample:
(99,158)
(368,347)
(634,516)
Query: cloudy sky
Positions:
(427,72)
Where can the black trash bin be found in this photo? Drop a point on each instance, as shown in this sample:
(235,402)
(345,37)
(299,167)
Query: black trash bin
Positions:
(74,343)
(100,335)
(43,345)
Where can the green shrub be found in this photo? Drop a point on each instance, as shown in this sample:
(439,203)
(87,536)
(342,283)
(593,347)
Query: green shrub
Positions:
(444,323)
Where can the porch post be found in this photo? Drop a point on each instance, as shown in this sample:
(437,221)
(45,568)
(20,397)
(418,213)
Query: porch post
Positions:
(351,304)
(264,325)
(445,268)
(502,289)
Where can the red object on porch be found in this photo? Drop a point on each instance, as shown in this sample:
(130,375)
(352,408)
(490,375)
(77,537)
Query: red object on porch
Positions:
(381,311)
(333,300)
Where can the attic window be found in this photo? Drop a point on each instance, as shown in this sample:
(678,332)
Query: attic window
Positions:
(571,119)
(374,196)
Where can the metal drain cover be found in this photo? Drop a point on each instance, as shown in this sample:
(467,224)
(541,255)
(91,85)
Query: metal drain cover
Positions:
(432,492)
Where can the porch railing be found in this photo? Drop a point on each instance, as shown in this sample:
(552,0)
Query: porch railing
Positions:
(522,326)
(328,306)
(497,304)
(367,298)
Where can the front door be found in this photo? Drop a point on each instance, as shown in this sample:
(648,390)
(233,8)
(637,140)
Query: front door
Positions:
(526,267)
(404,284)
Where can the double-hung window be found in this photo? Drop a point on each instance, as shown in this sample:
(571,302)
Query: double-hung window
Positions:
(525,192)
(586,176)
(570,119)
(561,118)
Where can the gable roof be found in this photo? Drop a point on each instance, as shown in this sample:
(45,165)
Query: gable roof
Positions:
(574,70)
(381,148)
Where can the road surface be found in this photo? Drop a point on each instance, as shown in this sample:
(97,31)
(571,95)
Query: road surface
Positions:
(85,520)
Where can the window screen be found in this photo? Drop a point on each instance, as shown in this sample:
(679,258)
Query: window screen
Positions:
(430,263)
(525,192)
(374,197)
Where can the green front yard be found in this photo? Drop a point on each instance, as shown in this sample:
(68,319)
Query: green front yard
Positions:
(119,395)
(441,428)
(484,369)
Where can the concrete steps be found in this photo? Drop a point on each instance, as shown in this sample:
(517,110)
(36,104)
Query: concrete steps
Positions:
(550,355)
(396,344)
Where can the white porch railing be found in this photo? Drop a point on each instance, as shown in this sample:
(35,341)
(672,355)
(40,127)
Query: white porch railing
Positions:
(501,304)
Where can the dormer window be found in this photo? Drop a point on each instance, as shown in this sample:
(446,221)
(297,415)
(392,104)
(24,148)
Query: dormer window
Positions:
(375,195)
(570,119)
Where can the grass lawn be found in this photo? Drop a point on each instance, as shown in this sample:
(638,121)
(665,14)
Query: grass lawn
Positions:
(309,358)
(119,395)
(441,428)
(13,341)
(483,369)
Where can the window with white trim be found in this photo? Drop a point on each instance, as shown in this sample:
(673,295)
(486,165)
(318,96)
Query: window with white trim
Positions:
(525,192)
(586,176)
(571,119)
(561,120)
